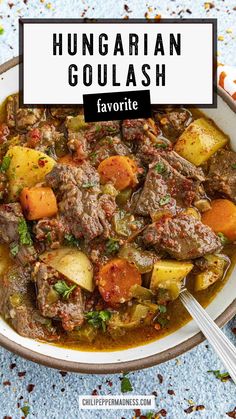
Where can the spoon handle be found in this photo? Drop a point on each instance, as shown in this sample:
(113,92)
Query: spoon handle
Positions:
(221,344)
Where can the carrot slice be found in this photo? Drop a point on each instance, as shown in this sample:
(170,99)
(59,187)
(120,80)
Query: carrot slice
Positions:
(221,218)
(120,170)
(38,202)
(116,278)
(68,159)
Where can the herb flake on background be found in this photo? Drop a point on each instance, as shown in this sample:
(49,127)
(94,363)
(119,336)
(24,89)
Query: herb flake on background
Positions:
(126,385)
(224,376)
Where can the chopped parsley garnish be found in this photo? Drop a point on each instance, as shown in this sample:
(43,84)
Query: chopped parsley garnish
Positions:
(160,168)
(24,234)
(98,128)
(25,409)
(14,249)
(162,308)
(1,30)
(161,145)
(49,237)
(5,163)
(98,319)
(163,321)
(112,246)
(88,185)
(233,166)
(221,376)
(126,385)
(111,129)
(149,415)
(165,200)
(63,289)
(93,155)
(223,238)
(71,240)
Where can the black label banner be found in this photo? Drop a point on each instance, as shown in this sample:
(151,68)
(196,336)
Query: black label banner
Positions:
(117,105)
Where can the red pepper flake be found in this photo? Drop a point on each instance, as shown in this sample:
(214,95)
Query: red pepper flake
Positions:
(232,414)
(109,383)
(42,162)
(162,412)
(127,9)
(30,388)
(171,392)
(191,409)
(137,413)
(94,392)
(63,373)
(10,5)
(12,366)
(6,383)
(21,373)
(234,330)
(7,417)
(160,378)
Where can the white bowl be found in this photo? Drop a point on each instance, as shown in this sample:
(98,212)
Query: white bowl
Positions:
(222,308)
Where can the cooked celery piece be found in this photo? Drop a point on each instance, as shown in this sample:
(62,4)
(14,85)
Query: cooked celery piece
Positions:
(126,224)
(85,333)
(123,196)
(109,189)
(193,212)
(136,314)
(214,272)
(143,260)
(168,275)
(141,293)
(76,123)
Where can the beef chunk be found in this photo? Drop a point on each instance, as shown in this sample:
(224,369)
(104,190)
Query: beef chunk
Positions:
(107,147)
(51,231)
(78,143)
(183,166)
(4,132)
(163,183)
(51,304)
(43,137)
(95,131)
(78,190)
(10,217)
(138,129)
(17,306)
(64,111)
(22,118)
(183,237)
(221,178)
(173,122)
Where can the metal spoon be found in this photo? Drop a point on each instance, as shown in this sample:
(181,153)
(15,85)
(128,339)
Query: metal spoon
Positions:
(221,344)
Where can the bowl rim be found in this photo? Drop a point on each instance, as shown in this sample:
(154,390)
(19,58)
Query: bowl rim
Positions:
(125,366)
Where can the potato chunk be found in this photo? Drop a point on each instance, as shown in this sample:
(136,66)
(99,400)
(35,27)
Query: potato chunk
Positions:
(168,275)
(200,140)
(27,168)
(214,272)
(73,264)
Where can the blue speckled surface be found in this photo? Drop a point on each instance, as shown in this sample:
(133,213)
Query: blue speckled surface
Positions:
(53,395)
